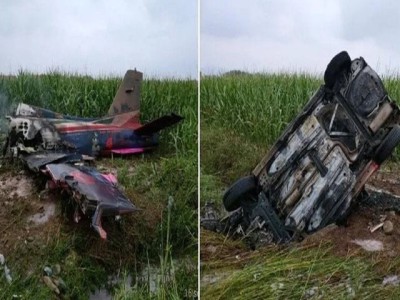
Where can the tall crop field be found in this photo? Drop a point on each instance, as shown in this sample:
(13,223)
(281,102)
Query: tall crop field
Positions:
(241,117)
(163,183)
(259,106)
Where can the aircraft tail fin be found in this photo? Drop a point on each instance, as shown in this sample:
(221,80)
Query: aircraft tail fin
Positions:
(127,98)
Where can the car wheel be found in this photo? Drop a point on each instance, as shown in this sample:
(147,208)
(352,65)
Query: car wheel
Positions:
(238,191)
(388,144)
(340,62)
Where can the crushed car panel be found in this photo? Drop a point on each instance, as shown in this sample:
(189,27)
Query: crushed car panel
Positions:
(320,164)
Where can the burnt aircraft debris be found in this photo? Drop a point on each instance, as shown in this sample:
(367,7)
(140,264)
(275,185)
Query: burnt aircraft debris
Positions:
(317,169)
(62,148)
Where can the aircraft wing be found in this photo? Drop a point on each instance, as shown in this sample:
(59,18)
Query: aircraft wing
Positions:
(37,160)
(95,193)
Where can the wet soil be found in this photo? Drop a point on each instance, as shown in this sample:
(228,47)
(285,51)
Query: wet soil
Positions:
(383,204)
(352,238)
(32,219)
(27,220)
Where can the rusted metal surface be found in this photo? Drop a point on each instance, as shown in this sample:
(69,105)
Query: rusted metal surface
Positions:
(127,98)
(381,117)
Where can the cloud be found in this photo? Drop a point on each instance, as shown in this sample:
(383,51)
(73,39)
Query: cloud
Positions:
(100,37)
(297,35)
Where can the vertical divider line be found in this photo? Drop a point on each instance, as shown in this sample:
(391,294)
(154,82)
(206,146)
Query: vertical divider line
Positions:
(198,145)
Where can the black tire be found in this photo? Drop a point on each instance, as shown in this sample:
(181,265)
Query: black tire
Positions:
(387,146)
(238,191)
(340,62)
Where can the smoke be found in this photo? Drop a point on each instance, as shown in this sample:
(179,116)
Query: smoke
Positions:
(6,108)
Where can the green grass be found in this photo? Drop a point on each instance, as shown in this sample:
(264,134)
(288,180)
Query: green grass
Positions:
(297,273)
(241,117)
(256,106)
(156,235)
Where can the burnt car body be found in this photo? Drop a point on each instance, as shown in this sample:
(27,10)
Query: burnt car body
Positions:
(61,147)
(318,167)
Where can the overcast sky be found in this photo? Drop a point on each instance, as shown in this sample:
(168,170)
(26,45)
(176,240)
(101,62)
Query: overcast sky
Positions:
(158,37)
(283,35)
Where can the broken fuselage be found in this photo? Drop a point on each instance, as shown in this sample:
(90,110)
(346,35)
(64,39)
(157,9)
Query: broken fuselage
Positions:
(33,127)
(59,146)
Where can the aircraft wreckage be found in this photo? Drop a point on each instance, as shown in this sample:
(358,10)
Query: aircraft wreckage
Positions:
(60,147)
(317,169)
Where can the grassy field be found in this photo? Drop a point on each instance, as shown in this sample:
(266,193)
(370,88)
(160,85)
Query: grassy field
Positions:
(241,116)
(163,183)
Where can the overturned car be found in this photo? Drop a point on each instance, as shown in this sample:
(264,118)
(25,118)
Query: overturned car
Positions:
(318,167)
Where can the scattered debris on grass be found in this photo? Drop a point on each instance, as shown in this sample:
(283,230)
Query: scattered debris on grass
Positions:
(369,245)
(391,280)
(16,185)
(7,272)
(46,211)
(52,279)
(388,227)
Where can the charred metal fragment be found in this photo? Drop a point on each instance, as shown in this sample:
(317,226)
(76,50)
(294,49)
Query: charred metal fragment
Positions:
(59,145)
(318,167)
(38,160)
(94,192)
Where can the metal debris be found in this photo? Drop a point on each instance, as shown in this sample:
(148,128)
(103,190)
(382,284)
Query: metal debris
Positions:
(48,271)
(60,284)
(62,148)
(391,280)
(7,272)
(388,227)
(369,245)
(311,292)
(57,269)
(376,227)
(47,280)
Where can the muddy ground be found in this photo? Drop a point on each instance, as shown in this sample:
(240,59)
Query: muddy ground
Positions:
(358,233)
(31,219)
(26,218)
(352,238)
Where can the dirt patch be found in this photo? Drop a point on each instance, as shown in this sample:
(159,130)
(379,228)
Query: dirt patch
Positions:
(215,246)
(349,239)
(32,219)
(384,188)
(46,211)
(16,185)
(26,221)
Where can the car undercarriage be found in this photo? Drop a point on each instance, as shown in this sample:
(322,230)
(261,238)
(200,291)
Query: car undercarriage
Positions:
(317,169)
